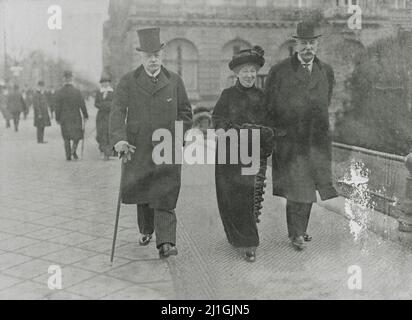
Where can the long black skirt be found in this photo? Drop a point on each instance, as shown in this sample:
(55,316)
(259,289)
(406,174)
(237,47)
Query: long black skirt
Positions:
(235,198)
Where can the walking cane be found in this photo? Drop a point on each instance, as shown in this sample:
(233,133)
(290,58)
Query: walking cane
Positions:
(119,202)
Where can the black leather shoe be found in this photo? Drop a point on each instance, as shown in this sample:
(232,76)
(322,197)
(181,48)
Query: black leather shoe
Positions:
(250,256)
(307,238)
(75,157)
(144,239)
(166,250)
(298,243)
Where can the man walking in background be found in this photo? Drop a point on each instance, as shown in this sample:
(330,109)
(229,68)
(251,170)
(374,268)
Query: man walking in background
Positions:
(70,107)
(41,112)
(15,106)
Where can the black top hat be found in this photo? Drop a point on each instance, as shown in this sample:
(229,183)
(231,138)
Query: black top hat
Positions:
(306,30)
(254,56)
(149,40)
(67,74)
(40,83)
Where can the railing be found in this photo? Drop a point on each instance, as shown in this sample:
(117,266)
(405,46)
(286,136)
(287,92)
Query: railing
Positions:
(385,178)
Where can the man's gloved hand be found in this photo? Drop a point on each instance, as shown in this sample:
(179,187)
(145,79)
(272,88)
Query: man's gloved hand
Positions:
(125,150)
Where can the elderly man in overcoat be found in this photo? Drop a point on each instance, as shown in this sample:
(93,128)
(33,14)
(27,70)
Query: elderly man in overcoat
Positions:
(69,109)
(298,93)
(146,99)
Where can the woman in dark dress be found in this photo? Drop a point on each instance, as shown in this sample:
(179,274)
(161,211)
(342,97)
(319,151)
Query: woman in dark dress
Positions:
(240,196)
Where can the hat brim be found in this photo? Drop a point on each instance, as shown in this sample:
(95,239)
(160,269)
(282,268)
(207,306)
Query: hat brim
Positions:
(307,38)
(152,50)
(256,60)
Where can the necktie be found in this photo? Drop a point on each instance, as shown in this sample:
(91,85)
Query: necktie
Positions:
(306,67)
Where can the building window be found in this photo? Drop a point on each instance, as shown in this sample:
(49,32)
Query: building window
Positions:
(181,56)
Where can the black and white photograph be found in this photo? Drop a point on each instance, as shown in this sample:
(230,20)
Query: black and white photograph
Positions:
(225,151)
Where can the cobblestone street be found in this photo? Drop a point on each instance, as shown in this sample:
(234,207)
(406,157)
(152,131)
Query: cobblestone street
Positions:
(55,212)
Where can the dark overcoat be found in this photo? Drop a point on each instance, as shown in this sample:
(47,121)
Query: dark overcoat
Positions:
(41,110)
(15,103)
(104,105)
(69,103)
(236,107)
(298,103)
(140,107)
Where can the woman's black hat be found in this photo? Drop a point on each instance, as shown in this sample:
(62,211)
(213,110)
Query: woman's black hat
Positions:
(253,56)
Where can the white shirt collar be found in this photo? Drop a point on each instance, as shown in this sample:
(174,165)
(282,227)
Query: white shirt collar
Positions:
(310,63)
(154,74)
(108,89)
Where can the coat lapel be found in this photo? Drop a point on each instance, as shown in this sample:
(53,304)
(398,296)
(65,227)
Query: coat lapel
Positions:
(299,73)
(143,81)
(163,82)
(315,76)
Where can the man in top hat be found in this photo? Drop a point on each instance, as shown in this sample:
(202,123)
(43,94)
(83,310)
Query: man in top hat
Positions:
(69,109)
(298,93)
(41,111)
(146,99)
(103,102)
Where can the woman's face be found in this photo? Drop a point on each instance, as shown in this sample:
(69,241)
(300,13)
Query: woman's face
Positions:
(247,75)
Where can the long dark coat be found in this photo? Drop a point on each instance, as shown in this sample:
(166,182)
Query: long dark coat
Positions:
(69,103)
(149,106)
(298,103)
(104,105)
(15,103)
(236,107)
(41,111)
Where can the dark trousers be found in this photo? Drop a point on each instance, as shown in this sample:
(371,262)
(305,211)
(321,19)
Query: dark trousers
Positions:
(163,222)
(40,134)
(70,149)
(297,217)
(16,120)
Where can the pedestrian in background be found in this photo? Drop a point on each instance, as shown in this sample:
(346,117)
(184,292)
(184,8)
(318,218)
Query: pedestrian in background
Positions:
(41,111)
(298,92)
(103,102)
(50,93)
(15,106)
(70,107)
(3,103)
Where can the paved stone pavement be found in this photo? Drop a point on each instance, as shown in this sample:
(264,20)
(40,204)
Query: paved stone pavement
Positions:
(54,212)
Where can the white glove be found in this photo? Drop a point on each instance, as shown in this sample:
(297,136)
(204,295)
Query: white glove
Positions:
(125,150)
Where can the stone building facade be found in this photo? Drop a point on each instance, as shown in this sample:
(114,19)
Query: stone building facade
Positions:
(202,35)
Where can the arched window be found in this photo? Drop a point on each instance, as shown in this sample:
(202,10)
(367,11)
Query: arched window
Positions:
(229,49)
(181,56)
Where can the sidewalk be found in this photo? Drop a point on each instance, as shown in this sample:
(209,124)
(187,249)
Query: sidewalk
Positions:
(54,212)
